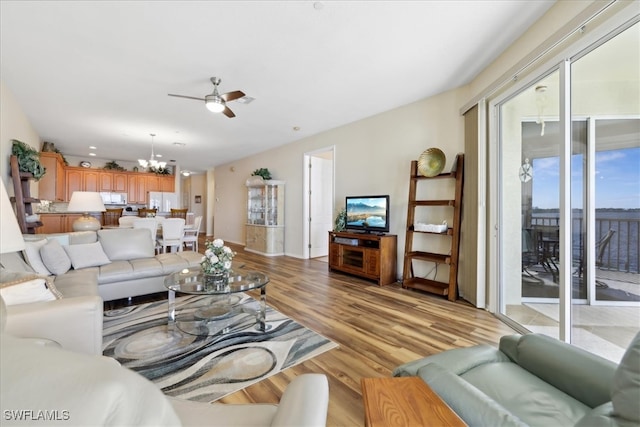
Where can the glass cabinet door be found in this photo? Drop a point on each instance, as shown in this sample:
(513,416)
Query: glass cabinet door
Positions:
(265,202)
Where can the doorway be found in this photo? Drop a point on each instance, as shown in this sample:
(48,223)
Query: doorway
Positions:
(318,200)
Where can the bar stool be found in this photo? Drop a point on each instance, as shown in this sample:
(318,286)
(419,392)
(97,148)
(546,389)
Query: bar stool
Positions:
(179,213)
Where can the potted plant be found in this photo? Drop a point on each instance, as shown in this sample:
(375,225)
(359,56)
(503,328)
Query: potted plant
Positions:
(28,159)
(112,165)
(262,172)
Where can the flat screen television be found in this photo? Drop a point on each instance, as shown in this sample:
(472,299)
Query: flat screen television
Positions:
(369,214)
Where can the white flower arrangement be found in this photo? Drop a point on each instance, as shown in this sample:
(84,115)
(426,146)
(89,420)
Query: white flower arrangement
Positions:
(217,258)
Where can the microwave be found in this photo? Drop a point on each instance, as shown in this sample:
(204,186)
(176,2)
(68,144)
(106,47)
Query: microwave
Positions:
(114,198)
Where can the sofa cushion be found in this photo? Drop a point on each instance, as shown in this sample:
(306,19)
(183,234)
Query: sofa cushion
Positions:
(525,395)
(62,238)
(119,271)
(173,262)
(126,243)
(86,255)
(625,389)
(580,374)
(32,255)
(602,416)
(78,283)
(13,261)
(55,258)
(471,404)
(82,237)
(457,360)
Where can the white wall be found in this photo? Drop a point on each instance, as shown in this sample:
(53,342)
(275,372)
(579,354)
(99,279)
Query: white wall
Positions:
(14,124)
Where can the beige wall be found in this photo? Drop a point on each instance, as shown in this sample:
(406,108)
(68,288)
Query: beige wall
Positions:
(14,125)
(372,156)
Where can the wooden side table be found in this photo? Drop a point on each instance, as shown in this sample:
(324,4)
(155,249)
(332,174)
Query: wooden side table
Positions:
(404,401)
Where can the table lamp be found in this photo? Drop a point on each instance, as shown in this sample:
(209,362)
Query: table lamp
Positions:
(85,202)
(11,239)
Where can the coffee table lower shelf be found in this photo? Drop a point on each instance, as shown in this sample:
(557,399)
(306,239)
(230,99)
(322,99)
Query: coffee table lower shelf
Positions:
(404,401)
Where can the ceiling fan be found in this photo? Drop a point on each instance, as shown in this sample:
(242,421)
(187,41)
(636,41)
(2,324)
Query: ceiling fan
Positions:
(215,102)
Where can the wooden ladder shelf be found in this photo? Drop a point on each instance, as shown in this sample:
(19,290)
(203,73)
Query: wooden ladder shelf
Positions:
(22,198)
(450,288)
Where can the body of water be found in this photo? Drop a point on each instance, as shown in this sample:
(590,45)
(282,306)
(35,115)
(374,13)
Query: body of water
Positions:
(622,253)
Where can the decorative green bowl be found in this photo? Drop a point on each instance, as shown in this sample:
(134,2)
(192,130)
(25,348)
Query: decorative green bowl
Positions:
(431,162)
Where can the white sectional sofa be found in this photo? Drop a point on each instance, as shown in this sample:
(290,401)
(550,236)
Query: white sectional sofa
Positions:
(130,268)
(42,384)
(87,267)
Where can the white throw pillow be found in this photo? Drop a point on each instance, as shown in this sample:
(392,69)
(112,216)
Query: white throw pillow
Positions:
(55,258)
(28,290)
(32,254)
(86,255)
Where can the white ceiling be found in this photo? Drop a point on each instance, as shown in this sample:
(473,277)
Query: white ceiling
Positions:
(98,73)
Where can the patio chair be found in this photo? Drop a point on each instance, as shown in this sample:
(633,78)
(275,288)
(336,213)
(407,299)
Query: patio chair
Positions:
(190,238)
(172,234)
(529,257)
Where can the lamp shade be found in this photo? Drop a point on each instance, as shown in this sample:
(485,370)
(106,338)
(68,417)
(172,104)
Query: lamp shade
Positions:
(11,239)
(86,201)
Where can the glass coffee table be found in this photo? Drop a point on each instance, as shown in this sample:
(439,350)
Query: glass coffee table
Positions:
(224,310)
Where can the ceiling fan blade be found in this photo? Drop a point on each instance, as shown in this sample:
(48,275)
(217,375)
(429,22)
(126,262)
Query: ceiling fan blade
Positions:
(184,96)
(227,112)
(230,96)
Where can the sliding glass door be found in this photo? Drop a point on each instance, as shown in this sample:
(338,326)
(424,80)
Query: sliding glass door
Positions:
(569,199)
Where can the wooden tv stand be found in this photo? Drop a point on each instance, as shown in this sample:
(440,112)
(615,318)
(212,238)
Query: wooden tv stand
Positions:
(371,256)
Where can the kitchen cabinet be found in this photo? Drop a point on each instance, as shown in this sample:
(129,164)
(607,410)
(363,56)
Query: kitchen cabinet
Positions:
(167,184)
(59,222)
(74,178)
(52,185)
(119,182)
(105,179)
(137,188)
(91,180)
(135,184)
(153,183)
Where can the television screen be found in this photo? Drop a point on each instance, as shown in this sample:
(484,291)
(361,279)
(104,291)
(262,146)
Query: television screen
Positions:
(368,213)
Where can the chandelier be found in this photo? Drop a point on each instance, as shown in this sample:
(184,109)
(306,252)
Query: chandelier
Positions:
(152,162)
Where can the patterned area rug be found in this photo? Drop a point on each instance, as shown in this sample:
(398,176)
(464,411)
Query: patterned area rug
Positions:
(206,368)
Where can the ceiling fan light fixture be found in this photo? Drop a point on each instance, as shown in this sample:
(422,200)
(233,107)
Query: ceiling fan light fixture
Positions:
(214,103)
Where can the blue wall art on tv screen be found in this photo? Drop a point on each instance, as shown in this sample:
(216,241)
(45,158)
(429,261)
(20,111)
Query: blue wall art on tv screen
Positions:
(368,213)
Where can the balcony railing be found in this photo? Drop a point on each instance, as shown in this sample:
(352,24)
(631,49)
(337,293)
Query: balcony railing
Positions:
(622,253)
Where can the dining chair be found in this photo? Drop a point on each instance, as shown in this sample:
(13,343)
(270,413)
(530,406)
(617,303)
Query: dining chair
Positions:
(126,221)
(110,217)
(190,238)
(145,212)
(172,234)
(152,225)
(178,213)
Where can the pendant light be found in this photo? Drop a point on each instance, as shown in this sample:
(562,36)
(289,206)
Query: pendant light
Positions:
(152,162)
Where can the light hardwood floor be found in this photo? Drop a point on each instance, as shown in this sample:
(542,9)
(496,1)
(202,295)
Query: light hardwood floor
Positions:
(376,328)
